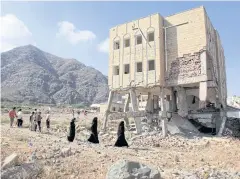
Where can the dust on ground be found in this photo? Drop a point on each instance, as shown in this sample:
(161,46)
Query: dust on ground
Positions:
(174,156)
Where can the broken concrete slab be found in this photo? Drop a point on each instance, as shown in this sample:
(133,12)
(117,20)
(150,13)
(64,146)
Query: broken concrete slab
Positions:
(10,161)
(124,169)
(26,171)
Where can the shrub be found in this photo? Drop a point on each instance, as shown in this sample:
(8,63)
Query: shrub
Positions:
(78,106)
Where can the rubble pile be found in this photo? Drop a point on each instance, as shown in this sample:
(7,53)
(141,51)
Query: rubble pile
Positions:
(232,127)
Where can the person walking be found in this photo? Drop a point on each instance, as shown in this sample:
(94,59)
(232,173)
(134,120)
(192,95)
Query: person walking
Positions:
(94,134)
(31,121)
(12,115)
(38,120)
(48,120)
(121,141)
(72,129)
(19,118)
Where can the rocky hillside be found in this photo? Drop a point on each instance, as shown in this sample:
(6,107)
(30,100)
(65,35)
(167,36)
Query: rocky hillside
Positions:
(30,75)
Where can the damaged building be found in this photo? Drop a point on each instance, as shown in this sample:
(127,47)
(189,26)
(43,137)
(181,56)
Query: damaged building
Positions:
(170,64)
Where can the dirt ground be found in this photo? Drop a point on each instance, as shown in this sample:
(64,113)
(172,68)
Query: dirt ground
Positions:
(174,156)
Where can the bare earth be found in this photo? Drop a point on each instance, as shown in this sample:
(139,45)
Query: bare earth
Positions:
(174,156)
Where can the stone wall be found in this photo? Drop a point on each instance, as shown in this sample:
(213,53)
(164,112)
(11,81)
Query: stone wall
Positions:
(188,66)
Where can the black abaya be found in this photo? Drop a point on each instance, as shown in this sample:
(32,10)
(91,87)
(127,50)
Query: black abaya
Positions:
(71,131)
(121,141)
(94,135)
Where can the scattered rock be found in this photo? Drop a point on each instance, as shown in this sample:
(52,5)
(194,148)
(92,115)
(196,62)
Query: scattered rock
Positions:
(176,159)
(66,152)
(26,171)
(10,161)
(125,169)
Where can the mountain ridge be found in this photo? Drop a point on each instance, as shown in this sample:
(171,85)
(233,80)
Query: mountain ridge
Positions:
(30,75)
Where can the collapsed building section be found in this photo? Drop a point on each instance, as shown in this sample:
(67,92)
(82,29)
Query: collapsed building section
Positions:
(176,63)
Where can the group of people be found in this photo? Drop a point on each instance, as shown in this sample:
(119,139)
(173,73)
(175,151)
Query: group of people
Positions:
(121,141)
(18,116)
(34,120)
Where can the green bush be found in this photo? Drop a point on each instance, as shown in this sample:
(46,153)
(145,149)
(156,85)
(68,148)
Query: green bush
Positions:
(78,106)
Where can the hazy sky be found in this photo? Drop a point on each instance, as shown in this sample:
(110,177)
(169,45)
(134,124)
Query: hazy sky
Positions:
(80,29)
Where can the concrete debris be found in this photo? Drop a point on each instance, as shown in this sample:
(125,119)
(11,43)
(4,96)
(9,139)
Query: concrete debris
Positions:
(26,171)
(10,161)
(125,169)
(65,152)
(232,128)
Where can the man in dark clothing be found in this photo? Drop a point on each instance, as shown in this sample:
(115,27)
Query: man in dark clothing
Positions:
(121,141)
(39,118)
(94,135)
(71,131)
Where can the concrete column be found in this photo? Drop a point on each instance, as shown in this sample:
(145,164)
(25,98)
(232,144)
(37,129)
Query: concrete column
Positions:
(126,107)
(223,122)
(155,102)
(173,101)
(135,108)
(202,94)
(168,105)
(149,105)
(110,98)
(163,113)
(182,102)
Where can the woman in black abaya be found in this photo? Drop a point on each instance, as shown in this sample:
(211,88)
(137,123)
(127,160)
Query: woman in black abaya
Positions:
(94,135)
(121,141)
(71,131)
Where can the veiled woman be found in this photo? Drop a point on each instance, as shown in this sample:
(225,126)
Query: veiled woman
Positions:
(71,131)
(94,135)
(121,141)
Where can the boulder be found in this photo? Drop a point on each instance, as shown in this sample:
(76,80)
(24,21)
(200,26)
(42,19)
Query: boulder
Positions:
(65,152)
(26,171)
(124,169)
(10,161)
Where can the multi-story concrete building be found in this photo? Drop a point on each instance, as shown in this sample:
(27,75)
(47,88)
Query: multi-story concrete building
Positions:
(178,58)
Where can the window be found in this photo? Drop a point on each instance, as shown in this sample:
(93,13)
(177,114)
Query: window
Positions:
(126,42)
(151,65)
(139,67)
(150,36)
(114,109)
(116,45)
(139,39)
(126,68)
(116,70)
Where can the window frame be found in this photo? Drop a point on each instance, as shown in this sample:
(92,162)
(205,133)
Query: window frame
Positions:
(125,42)
(149,65)
(124,67)
(139,35)
(114,44)
(141,67)
(153,36)
(114,70)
